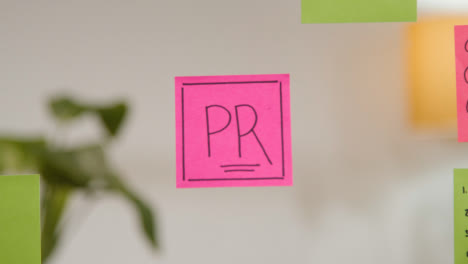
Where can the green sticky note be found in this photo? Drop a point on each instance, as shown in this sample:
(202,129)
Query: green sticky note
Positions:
(20,220)
(358,11)
(460,198)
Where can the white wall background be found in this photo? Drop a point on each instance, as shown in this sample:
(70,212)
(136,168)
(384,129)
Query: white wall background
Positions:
(437,6)
(367,189)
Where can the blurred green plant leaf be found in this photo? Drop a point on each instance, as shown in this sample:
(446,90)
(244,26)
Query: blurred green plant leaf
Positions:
(147,219)
(66,170)
(111,116)
(66,109)
(20,154)
(54,202)
(82,167)
(61,168)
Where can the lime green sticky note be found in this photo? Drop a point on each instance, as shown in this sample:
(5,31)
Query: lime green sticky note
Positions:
(20,220)
(358,11)
(460,198)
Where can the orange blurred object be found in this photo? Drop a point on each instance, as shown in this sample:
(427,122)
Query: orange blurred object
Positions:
(431,66)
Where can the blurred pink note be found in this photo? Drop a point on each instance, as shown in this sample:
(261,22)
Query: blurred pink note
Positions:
(461,58)
(233,131)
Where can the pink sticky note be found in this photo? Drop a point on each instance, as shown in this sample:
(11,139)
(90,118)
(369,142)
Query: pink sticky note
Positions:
(233,131)
(461,57)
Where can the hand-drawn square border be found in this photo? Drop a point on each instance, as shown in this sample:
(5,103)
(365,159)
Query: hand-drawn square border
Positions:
(232,179)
